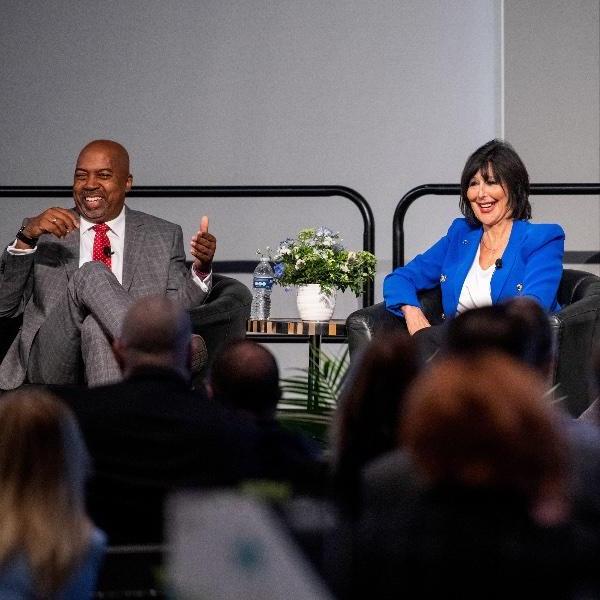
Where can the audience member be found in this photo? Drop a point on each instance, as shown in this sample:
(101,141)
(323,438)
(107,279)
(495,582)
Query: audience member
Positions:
(365,424)
(538,347)
(364,428)
(73,272)
(49,548)
(150,433)
(495,511)
(245,378)
(592,413)
(519,327)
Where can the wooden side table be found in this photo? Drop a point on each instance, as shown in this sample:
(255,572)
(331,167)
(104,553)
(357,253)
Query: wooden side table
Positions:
(296,330)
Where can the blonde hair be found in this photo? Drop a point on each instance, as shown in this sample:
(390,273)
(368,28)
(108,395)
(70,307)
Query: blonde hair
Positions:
(43,464)
(483,421)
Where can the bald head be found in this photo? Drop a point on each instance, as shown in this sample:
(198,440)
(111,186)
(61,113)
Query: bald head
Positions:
(117,152)
(101,180)
(155,332)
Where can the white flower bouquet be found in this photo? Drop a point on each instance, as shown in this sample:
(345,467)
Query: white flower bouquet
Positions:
(317,256)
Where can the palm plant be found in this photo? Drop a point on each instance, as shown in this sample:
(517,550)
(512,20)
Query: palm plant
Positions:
(328,375)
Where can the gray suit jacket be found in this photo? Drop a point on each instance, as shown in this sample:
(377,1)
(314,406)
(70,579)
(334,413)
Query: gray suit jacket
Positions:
(32,285)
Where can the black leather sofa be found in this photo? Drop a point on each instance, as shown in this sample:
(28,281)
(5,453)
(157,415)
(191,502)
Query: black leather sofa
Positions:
(221,318)
(576,329)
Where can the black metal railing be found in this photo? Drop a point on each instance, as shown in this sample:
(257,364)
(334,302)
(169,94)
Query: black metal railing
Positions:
(269,191)
(453,189)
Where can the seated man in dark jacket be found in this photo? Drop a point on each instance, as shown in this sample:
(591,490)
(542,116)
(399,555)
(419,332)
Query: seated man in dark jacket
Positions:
(150,434)
(245,377)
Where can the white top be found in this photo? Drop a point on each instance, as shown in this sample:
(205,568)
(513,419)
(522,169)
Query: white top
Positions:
(476,291)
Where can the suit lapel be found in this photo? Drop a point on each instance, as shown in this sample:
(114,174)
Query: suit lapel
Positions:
(133,245)
(515,241)
(468,244)
(71,245)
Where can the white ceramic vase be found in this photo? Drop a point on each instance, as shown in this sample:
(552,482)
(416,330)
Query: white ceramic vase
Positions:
(314,304)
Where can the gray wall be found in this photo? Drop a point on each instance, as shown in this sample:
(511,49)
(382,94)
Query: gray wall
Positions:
(379,96)
(376,95)
(552,106)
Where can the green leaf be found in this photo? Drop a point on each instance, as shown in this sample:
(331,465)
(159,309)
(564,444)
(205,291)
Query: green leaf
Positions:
(317,256)
(329,379)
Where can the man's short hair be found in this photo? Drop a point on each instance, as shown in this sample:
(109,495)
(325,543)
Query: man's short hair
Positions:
(245,376)
(518,327)
(156,325)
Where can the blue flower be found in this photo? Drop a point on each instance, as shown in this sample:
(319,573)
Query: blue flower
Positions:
(324,232)
(278,269)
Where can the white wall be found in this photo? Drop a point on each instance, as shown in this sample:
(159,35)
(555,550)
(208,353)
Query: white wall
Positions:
(552,106)
(376,95)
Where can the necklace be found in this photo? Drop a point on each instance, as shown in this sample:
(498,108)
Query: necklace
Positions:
(486,246)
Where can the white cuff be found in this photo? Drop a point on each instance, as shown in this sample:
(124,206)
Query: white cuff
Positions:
(204,284)
(19,251)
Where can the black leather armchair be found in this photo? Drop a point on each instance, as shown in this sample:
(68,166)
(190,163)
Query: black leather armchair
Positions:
(221,318)
(576,329)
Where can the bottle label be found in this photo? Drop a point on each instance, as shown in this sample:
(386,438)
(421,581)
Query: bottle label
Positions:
(263,283)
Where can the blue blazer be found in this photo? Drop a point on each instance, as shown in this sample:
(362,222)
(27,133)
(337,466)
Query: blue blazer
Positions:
(531,266)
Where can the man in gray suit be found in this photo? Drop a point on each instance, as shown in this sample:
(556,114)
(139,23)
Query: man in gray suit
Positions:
(72,274)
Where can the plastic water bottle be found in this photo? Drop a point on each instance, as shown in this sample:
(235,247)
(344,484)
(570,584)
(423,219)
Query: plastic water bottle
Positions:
(262,284)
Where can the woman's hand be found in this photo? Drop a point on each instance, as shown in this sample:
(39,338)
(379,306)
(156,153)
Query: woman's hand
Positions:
(415,319)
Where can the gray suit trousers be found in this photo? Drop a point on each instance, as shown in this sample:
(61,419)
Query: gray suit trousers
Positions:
(81,325)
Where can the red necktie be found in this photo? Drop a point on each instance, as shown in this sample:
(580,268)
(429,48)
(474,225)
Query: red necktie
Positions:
(101,251)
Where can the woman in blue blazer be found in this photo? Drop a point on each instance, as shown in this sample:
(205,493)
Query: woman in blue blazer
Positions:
(492,254)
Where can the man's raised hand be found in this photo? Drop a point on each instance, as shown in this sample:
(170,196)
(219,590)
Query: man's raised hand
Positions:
(203,248)
(55,221)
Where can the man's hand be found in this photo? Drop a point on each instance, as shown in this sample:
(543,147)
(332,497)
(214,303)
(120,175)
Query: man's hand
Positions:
(203,248)
(55,221)
(415,319)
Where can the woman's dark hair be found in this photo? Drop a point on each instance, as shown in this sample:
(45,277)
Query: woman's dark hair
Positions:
(499,159)
(365,425)
(520,327)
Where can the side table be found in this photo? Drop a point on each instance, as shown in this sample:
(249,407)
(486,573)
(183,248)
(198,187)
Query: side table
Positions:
(296,330)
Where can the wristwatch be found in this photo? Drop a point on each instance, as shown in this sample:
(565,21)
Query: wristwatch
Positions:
(31,242)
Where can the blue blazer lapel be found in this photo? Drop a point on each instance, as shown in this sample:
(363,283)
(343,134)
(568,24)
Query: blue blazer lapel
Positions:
(517,235)
(133,246)
(467,250)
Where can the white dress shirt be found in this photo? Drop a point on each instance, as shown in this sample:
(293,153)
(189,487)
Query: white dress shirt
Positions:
(116,235)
